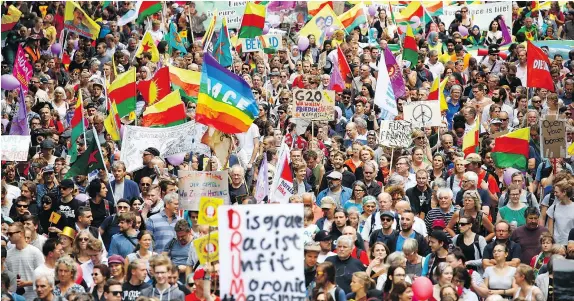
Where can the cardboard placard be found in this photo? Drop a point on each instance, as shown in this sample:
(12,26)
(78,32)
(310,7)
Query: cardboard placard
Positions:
(207,248)
(193,185)
(396,133)
(553,137)
(208,208)
(423,113)
(313,104)
(14,147)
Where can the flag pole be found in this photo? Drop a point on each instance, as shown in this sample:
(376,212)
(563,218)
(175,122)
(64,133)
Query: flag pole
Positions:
(103,161)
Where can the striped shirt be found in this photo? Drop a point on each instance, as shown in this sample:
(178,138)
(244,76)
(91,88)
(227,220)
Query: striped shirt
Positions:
(162,230)
(437,214)
(24,262)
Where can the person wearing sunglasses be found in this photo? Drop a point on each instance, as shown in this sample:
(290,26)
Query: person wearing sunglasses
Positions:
(113,290)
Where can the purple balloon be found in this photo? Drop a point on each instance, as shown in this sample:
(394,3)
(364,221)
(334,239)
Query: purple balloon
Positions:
(9,82)
(266,29)
(176,159)
(372,10)
(56,48)
(329,32)
(463,30)
(303,43)
(76,46)
(507,176)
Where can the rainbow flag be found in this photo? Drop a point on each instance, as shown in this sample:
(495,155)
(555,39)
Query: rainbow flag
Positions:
(511,150)
(169,111)
(253,21)
(353,17)
(123,92)
(225,100)
(186,82)
(146,9)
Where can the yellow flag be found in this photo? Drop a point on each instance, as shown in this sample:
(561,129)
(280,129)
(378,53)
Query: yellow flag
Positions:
(112,123)
(443,104)
(54,217)
(317,25)
(207,248)
(208,211)
(148,45)
(571,149)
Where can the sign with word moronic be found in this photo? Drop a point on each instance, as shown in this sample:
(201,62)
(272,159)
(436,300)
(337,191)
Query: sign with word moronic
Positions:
(260,252)
(423,113)
(261,42)
(553,138)
(396,133)
(14,147)
(193,185)
(313,104)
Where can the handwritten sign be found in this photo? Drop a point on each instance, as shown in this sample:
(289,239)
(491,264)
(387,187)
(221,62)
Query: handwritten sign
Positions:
(261,250)
(207,248)
(423,113)
(396,133)
(313,104)
(14,148)
(208,211)
(169,141)
(261,42)
(193,185)
(553,138)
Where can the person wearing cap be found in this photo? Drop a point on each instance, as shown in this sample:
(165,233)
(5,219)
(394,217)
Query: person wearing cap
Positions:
(387,232)
(485,180)
(335,190)
(328,206)
(147,161)
(325,242)
(492,61)
(311,252)
(49,184)
(337,158)
(47,151)
(438,244)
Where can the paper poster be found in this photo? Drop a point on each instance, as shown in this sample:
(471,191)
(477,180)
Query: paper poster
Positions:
(259,43)
(553,138)
(313,104)
(207,248)
(208,211)
(423,113)
(481,14)
(76,20)
(396,133)
(261,250)
(14,147)
(193,185)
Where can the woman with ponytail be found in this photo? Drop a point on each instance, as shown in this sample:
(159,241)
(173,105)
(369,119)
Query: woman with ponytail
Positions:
(143,250)
(361,283)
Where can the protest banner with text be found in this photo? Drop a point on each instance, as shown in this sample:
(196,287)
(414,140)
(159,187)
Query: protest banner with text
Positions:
(274,42)
(261,251)
(207,247)
(313,104)
(396,133)
(193,185)
(553,138)
(481,14)
(14,147)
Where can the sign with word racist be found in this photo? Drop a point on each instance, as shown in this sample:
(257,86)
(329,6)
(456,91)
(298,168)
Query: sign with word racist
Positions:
(14,147)
(313,104)
(261,250)
(396,133)
(193,185)
(553,138)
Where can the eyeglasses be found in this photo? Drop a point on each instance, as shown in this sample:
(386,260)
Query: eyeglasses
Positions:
(116,293)
(47,203)
(123,207)
(503,119)
(191,284)
(463,224)
(22,206)
(12,233)
(386,219)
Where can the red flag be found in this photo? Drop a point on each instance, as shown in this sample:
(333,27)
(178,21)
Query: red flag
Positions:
(156,88)
(343,64)
(537,63)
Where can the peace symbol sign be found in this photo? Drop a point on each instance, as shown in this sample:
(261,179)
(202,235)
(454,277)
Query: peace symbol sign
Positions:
(422,113)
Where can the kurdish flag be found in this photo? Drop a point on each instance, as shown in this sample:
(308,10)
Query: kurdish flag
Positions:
(253,21)
(414,8)
(353,17)
(11,18)
(123,92)
(434,8)
(148,45)
(410,51)
(169,111)
(186,82)
(155,88)
(146,9)
(113,123)
(225,100)
(434,90)
(443,104)
(77,126)
(314,7)
(470,140)
(511,150)
(222,47)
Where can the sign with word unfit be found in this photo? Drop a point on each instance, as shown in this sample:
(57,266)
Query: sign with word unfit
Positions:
(14,147)
(396,133)
(193,185)
(313,104)
(261,42)
(169,141)
(423,113)
(553,138)
(261,250)
(481,14)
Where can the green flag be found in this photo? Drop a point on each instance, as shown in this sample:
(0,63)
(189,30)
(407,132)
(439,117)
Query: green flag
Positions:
(88,161)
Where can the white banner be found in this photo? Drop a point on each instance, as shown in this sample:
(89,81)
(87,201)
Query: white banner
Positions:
(14,147)
(396,133)
(261,251)
(482,14)
(423,113)
(196,184)
(169,141)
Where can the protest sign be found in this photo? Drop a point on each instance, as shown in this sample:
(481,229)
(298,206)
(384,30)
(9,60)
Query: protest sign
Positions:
(261,250)
(169,141)
(423,113)
(274,42)
(232,10)
(481,14)
(14,147)
(197,134)
(396,133)
(76,20)
(313,104)
(553,138)
(208,211)
(22,69)
(196,184)
(207,248)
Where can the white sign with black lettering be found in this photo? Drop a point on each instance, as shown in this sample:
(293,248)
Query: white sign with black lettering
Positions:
(396,133)
(14,147)
(423,113)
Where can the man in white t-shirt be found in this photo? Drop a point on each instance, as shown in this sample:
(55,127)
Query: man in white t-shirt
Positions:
(249,142)
(52,250)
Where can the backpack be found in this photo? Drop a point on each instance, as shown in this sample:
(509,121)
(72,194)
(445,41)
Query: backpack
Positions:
(551,200)
(460,241)
(374,216)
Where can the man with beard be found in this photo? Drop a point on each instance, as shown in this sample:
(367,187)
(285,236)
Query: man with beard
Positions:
(147,160)
(528,235)
(325,242)
(335,190)
(498,97)
(387,232)
(84,221)
(338,163)
(312,251)
(407,231)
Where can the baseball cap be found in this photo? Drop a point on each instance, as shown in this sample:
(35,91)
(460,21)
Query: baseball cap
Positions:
(312,247)
(473,158)
(441,237)
(388,214)
(327,203)
(199,274)
(48,144)
(335,175)
(439,223)
(495,121)
(152,150)
(323,236)
(67,183)
(48,169)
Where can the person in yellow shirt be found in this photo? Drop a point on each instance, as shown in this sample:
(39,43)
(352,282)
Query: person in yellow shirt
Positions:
(446,57)
(460,55)
(49,29)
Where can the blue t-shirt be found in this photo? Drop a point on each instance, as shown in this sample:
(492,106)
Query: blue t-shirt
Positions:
(401,241)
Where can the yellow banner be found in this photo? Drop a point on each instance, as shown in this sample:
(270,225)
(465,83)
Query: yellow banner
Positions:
(207,248)
(76,20)
(208,211)
(320,22)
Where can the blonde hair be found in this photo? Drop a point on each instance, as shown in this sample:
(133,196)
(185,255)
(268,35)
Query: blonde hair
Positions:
(365,280)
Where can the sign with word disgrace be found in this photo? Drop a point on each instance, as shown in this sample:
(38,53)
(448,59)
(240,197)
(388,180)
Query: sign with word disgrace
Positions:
(313,104)
(553,138)
(208,211)
(193,185)
(261,42)
(14,147)
(261,250)
(396,133)
(207,247)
